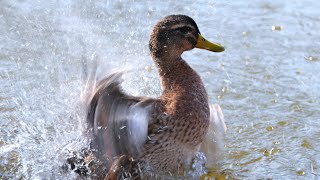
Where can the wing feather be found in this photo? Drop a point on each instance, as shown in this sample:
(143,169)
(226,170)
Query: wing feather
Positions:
(119,122)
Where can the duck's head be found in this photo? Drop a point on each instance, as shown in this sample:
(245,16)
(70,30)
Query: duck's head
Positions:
(175,34)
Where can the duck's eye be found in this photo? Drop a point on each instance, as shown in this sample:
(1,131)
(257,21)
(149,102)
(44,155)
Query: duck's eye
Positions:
(185,29)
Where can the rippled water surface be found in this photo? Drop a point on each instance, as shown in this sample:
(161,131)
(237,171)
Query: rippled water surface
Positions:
(267,80)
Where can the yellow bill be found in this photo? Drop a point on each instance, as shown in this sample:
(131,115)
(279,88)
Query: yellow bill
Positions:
(202,43)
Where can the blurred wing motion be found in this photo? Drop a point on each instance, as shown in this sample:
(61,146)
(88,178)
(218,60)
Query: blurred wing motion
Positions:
(213,142)
(119,122)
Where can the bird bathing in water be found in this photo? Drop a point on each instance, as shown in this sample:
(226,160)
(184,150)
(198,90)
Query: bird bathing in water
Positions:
(160,134)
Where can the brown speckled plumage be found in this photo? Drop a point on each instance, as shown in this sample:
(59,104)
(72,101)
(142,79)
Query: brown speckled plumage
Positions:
(184,112)
(177,121)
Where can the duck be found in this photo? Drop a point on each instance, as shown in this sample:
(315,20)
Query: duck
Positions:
(163,134)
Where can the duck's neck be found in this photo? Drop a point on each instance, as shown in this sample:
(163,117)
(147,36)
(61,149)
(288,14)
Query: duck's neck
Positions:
(176,73)
(181,85)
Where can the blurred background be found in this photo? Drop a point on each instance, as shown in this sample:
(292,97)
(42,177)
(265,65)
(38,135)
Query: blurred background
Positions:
(267,80)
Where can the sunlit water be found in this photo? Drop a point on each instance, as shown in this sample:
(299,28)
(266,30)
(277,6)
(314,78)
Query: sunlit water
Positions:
(267,80)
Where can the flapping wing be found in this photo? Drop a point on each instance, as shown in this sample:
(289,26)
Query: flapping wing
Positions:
(213,142)
(119,122)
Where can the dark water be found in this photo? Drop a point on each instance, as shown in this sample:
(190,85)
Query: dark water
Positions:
(267,80)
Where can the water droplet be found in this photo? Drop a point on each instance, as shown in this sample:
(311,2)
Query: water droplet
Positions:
(311,58)
(300,172)
(296,107)
(267,76)
(269,128)
(224,89)
(276,143)
(148,68)
(277,28)
(265,153)
(305,143)
(270,152)
(282,123)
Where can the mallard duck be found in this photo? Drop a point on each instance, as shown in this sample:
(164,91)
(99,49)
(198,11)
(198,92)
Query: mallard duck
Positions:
(160,134)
